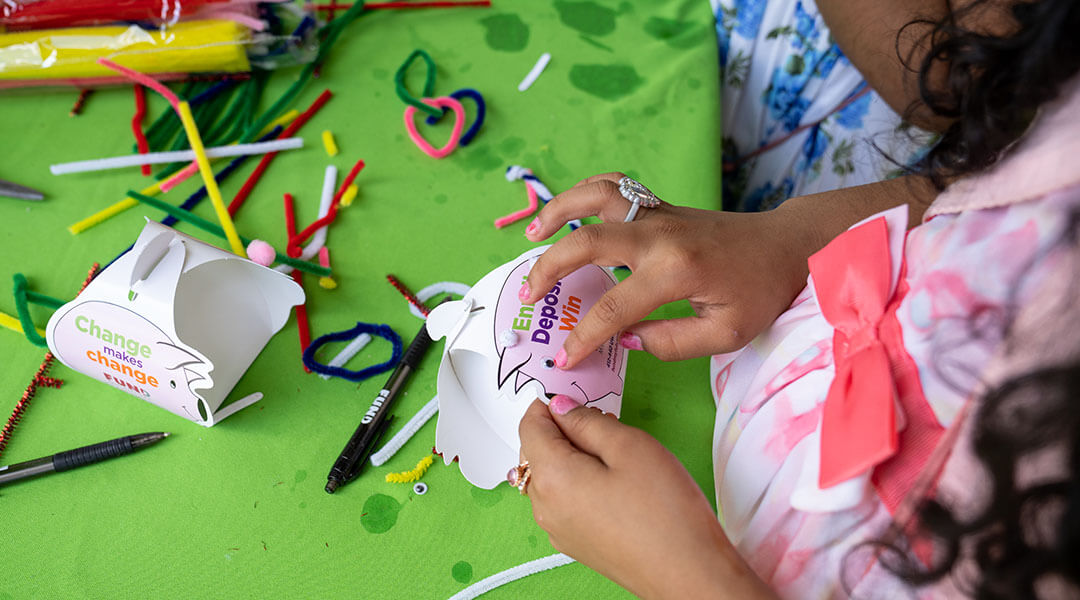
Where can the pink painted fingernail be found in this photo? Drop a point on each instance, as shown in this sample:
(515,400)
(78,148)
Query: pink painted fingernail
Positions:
(630,341)
(533,227)
(511,476)
(562,404)
(523,293)
(560,358)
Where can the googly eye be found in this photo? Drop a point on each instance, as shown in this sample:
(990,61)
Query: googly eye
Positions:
(420,488)
(547,362)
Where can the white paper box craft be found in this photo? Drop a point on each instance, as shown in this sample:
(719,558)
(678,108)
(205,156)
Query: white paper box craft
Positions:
(500,356)
(174,321)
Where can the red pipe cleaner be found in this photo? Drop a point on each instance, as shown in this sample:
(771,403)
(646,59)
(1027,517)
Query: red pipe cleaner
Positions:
(41,379)
(411,297)
(302,323)
(80,102)
(136,124)
(296,239)
(304,117)
(377,5)
(290,215)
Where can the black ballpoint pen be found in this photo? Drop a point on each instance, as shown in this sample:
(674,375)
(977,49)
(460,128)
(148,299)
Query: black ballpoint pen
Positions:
(78,457)
(375,420)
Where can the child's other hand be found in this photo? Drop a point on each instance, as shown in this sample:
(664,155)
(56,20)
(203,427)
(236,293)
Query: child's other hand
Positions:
(612,497)
(738,270)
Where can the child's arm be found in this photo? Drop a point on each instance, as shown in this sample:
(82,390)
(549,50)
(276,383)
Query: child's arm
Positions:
(738,270)
(610,496)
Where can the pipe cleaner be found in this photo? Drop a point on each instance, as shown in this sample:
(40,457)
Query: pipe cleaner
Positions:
(318,239)
(13,323)
(520,214)
(439,287)
(257,174)
(169,219)
(331,32)
(134,160)
(207,226)
(111,211)
(283,121)
(455,134)
(429,83)
(329,143)
(512,574)
(534,74)
(382,331)
(40,379)
(406,433)
(194,199)
(481,111)
(348,352)
(323,221)
(303,326)
(413,475)
(184,110)
(141,144)
(153,190)
(350,195)
(327,282)
(23,297)
(515,172)
(377,5)
(413,300)
(80,102)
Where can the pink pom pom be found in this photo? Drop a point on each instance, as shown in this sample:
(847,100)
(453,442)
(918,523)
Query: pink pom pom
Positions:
(261,252)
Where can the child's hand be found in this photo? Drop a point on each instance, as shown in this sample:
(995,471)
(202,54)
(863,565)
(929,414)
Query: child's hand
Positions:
(739,271)
(613,498)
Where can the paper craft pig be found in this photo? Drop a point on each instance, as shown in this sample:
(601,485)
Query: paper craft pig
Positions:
(500,356)
(174,321)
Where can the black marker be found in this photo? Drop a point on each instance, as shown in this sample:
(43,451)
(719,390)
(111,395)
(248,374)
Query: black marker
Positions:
(375,421)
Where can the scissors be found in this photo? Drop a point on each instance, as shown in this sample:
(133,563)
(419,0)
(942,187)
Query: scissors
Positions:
(14,190)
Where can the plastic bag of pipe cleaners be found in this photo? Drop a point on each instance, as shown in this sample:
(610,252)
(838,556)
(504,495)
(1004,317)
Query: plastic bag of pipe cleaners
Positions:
(262,35)
(22,15)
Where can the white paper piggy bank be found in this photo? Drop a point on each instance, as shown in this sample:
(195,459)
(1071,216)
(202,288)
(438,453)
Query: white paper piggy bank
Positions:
(500,356)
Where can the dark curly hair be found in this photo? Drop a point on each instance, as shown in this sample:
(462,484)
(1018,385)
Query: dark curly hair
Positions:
(1025,536)
(992,86)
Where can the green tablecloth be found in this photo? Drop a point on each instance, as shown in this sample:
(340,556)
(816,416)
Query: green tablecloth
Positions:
(238,510)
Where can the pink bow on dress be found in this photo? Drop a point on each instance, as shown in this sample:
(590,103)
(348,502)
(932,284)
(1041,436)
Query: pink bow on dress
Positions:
(853,281)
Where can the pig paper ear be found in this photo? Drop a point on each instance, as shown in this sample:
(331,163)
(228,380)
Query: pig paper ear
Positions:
(151,254)
(522,379)
(174,357)
(446,319)
(510,363)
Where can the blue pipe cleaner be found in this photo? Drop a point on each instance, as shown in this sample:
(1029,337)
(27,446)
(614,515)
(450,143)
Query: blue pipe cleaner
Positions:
(214,90)
(481,110)
(382,331)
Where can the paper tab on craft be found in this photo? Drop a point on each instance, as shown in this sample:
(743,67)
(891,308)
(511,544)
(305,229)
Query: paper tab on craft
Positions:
(174,321)
(500,356)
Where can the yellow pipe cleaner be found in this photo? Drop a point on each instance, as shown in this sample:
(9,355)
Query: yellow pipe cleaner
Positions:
(212,190)
(112,210)
(411,476)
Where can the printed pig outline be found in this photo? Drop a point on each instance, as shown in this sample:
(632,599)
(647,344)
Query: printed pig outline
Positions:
(193,368)
(588,382)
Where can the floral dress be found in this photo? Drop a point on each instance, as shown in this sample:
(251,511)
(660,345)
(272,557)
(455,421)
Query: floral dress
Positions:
(989,246)
(784,81)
